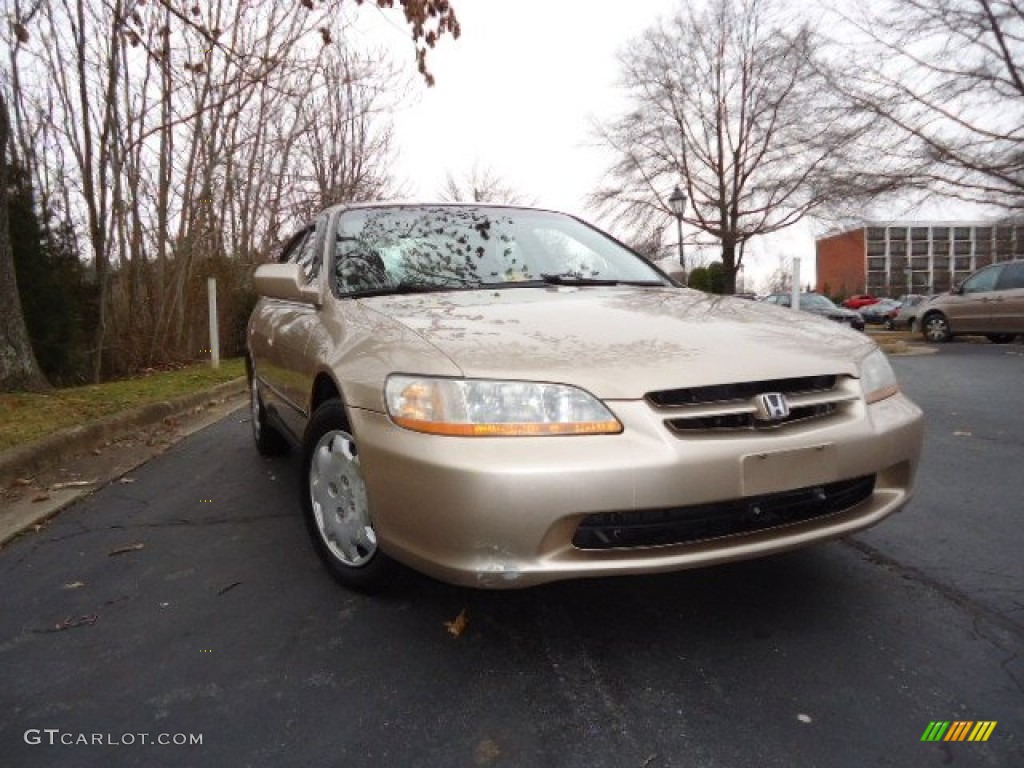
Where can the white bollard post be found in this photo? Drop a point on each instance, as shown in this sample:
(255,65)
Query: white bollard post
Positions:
(211,290)
(796,283)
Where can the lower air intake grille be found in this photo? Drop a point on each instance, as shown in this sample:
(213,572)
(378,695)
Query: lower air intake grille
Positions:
(683,525)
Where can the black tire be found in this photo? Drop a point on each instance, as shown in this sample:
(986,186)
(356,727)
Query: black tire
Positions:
(335,506)
(1000,338)
(269,442)
(935,328)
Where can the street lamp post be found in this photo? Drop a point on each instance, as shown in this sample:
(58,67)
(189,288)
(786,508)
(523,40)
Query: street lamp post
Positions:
(677,201)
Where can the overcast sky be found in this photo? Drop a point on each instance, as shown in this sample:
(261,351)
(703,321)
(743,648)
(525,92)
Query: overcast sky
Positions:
(517,94)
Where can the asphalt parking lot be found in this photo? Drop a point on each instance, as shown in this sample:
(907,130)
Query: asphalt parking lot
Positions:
(188,602)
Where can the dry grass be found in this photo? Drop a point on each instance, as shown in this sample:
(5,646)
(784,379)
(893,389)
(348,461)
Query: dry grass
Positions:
(27,417)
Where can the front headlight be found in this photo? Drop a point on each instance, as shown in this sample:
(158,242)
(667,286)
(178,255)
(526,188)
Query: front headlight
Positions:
(877,378)
(486,408)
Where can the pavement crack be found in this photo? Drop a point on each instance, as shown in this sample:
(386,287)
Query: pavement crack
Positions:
(186,523)
(952,594)
(1005,666)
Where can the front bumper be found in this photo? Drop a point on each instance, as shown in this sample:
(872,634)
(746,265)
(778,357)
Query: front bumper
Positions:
(503,512)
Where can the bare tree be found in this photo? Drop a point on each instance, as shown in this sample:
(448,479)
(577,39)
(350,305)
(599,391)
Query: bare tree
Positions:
(179,139)
(481,185)
(18,366)
(948,77)
(727,101)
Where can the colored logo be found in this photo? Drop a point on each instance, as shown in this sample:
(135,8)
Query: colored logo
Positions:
(959,730)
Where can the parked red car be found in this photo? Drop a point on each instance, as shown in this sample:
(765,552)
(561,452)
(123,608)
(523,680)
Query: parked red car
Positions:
(859,300)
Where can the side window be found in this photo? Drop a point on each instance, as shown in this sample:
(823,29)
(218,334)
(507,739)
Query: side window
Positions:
(305,257)
(292,247)
(1012,277)
(983,281)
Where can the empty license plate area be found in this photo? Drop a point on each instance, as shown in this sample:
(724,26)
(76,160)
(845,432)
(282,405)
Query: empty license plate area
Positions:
(775,471)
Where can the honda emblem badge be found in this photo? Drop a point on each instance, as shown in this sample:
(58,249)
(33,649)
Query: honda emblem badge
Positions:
(772,406)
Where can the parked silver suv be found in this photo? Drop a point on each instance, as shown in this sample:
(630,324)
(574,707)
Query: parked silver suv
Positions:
(989,303)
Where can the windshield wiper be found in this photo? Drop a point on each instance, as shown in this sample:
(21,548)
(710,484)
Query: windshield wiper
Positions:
(569,279)
(403,288)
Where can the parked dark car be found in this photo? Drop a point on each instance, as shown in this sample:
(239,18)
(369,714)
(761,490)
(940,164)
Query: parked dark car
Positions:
(817,304)
(879,312)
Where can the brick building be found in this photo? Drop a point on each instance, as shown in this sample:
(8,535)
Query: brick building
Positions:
(890,259)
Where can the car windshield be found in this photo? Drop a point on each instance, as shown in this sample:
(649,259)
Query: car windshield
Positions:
(444,247)
(815,301)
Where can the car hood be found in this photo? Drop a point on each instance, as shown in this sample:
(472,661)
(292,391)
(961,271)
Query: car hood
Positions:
(622,342)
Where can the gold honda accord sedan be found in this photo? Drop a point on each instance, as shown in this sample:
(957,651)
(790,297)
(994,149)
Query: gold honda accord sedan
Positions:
(502,397)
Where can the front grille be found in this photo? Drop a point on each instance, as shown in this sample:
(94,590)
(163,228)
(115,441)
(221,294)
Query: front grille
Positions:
(722,408)
(747,420)
(672,398)
(686,525)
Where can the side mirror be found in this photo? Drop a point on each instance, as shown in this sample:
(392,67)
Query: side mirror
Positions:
(285,282)
(957,289)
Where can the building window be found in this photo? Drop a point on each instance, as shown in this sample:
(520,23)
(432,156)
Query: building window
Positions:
(940,233)
(919,249)
(876,249)
(961,248)
(961,263)
(983,247)
(919,262)
(940,262)
(919,233)
(876,233)
(897,233)
(982,234)
(962,233)
(876,265)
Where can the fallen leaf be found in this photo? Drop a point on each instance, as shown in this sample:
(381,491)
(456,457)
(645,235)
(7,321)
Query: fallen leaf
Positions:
(803,718)
(129,548)
(23,481)
(486,752)
(96,451)
(40,497)
(228,588)
(127,480)
(961,433)
(457,625)
(74,585)
(70,623)
(72,484)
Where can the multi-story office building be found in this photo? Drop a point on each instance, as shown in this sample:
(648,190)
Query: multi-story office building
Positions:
(890,259)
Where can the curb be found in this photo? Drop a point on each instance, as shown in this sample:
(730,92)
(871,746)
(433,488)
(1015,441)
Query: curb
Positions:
(31,458)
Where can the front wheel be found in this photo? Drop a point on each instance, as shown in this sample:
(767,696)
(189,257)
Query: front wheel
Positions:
(269,441)
(936,328)
(1000,338)
(335,503)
